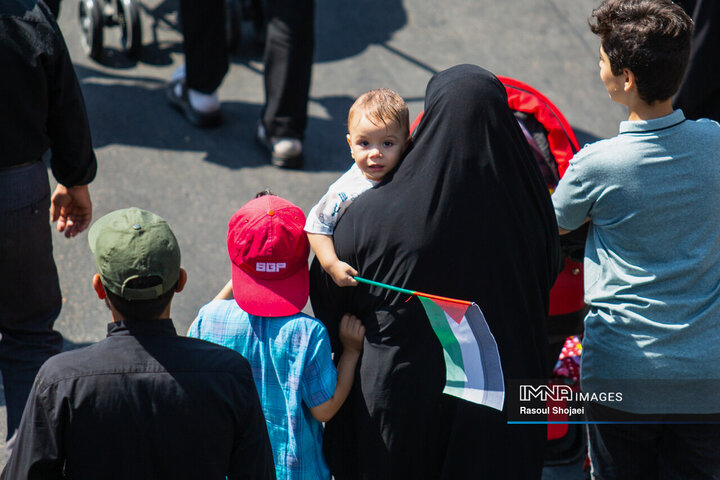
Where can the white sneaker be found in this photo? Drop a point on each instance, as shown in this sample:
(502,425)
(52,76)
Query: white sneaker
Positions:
(201,102)
(285,152)
(286,147)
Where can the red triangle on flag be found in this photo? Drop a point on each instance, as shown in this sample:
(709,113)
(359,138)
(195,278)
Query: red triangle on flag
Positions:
(454,310)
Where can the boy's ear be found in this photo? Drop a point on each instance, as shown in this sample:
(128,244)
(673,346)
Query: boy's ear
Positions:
(629,78)
(182,280)
(98,287)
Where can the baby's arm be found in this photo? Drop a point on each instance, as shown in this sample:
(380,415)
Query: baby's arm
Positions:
(352,334)
(341,273)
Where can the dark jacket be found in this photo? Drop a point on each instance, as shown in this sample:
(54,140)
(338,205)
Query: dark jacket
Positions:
(41,105)
(144,403)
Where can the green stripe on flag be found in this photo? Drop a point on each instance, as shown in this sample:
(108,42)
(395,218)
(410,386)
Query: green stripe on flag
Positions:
(454,366)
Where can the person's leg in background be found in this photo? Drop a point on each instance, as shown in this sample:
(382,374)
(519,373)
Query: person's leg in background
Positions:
(193,88)
(288,66)
(659,448)
(692,451)
(30,298)
(621,451)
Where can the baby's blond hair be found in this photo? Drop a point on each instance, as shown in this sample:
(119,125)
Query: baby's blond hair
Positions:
(381,106)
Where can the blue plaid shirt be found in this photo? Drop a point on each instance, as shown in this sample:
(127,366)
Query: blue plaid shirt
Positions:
(293,370)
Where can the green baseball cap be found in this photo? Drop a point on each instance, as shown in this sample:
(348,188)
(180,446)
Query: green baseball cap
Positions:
(134,243)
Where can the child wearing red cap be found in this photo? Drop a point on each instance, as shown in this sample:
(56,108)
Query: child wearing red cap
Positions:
(289,352)
(378,135)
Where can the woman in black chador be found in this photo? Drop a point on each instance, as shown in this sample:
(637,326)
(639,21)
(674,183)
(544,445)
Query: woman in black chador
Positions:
(465,215)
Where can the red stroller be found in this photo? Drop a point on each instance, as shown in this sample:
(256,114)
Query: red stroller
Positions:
(553,142)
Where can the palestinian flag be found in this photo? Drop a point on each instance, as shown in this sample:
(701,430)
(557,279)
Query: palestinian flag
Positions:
(472,361)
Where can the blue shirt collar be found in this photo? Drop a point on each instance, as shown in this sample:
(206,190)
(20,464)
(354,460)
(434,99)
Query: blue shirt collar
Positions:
(638,126)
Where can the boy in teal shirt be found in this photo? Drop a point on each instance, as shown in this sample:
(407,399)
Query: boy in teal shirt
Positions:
(652,259)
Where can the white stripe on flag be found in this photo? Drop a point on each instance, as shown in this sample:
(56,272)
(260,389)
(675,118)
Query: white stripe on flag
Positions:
(474,390)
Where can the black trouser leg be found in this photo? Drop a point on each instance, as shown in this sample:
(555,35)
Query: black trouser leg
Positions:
(205,43)
(288,65)
(30,297)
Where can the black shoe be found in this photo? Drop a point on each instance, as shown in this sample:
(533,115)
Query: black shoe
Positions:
(182,104)
(284,152)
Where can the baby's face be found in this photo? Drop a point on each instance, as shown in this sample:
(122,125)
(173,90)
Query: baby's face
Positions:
(376,149)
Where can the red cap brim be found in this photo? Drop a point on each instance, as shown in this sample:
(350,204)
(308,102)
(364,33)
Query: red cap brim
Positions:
(271,298)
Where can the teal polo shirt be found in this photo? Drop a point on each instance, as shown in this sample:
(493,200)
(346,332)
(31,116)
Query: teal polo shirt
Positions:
(652,263)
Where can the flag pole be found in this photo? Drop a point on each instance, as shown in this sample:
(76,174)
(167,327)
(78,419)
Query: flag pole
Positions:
(411,292)
(443,299)
(384,285)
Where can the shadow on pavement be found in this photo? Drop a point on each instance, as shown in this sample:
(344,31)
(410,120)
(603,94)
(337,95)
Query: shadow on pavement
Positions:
(139,115)
(129,110)
(134,111)
(357,24)
(345,28)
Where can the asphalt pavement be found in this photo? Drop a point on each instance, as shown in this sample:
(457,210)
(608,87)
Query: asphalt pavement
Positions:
(150,157)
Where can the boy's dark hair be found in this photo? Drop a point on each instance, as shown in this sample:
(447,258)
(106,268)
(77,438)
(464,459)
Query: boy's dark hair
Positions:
(651,38)
(141,309)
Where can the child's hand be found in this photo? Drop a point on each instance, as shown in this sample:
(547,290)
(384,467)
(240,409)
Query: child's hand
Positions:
(342,274)
(352,333)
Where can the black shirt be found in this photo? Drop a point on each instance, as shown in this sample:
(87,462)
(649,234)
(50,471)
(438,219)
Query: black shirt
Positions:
(41,105)
(144,403)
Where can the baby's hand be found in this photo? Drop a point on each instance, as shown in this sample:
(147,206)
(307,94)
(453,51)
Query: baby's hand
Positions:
(352,333)
(342,274)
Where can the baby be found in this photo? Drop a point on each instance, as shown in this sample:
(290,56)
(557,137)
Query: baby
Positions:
(378,134)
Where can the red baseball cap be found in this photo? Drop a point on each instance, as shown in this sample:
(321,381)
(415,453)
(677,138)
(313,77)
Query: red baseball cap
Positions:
(269,251)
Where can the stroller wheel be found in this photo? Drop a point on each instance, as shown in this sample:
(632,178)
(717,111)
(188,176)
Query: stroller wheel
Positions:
(233,21)
(90,14)
(128,13)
